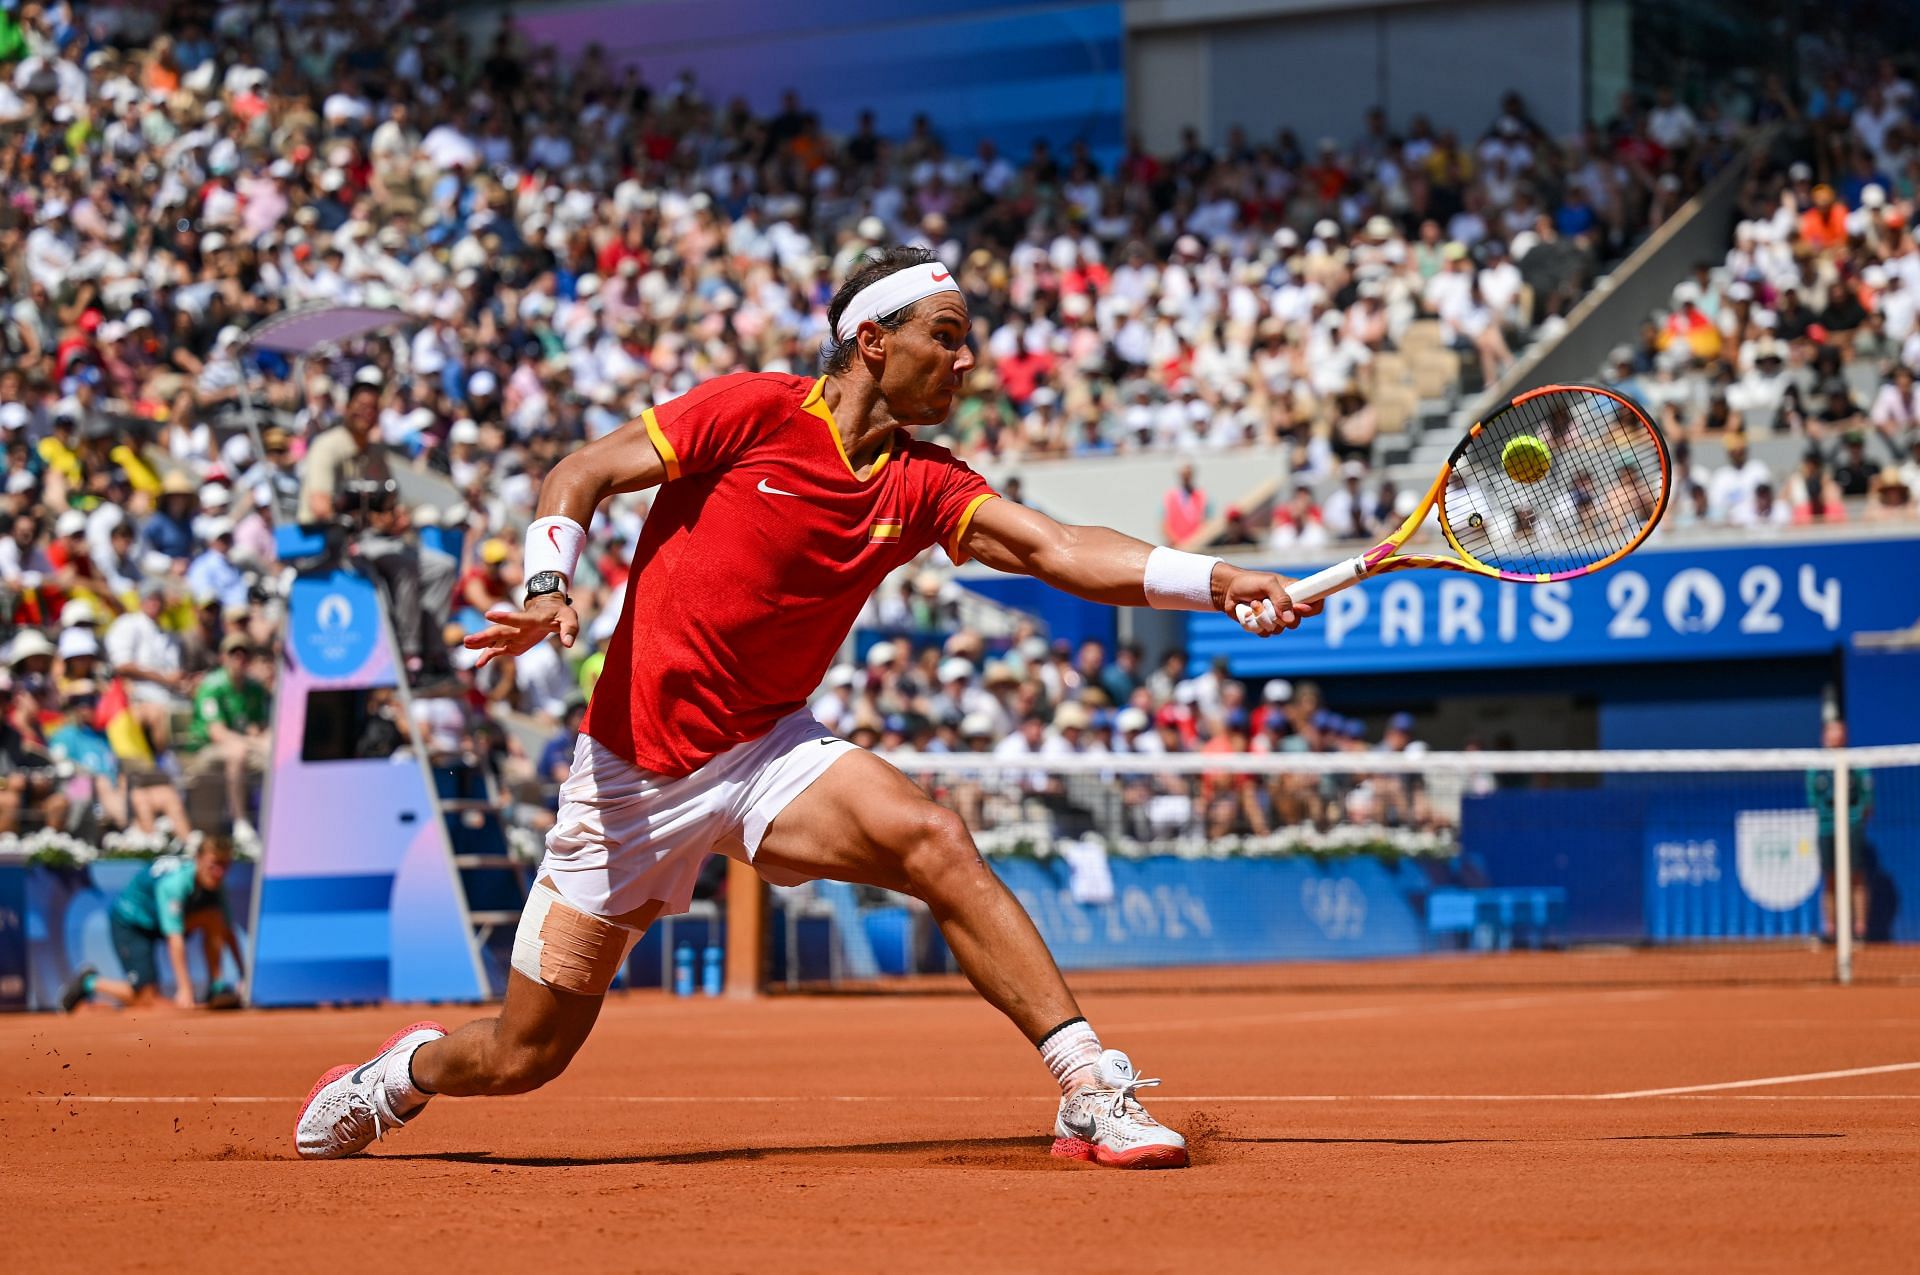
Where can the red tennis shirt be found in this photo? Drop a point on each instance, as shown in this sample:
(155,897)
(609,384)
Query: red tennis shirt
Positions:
(759,552)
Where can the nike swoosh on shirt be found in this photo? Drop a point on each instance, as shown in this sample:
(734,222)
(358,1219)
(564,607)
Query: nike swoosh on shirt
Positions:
(775,491)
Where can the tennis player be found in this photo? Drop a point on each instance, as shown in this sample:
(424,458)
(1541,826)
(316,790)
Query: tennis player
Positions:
(784,502)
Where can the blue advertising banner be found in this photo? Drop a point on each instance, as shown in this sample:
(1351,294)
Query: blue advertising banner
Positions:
(1168,911)
(13,936)
(1661,604)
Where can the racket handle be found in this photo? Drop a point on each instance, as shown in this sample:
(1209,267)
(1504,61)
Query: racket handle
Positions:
(1332,580)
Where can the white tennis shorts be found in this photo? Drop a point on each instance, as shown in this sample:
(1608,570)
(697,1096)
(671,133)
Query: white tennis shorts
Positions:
(627,836)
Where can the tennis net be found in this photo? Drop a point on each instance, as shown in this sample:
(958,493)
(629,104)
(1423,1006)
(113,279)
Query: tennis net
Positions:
(1193,870)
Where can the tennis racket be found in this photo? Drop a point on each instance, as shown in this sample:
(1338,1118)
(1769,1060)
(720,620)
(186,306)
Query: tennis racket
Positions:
(1559,482)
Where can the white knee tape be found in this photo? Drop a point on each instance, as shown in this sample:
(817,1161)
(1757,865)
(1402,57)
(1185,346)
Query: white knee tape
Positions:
(566,949)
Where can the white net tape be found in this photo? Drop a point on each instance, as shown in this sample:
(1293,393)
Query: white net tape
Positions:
(1639,761)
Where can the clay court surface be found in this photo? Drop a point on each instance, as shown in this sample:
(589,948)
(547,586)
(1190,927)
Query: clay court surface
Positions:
(1496,1128)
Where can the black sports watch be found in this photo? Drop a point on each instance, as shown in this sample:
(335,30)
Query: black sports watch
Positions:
(545,582)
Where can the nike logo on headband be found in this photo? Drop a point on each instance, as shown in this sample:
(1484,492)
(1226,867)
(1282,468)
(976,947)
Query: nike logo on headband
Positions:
(940,278)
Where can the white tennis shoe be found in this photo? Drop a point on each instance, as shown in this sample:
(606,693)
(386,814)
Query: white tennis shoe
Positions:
(349,1108)
(1103,1122)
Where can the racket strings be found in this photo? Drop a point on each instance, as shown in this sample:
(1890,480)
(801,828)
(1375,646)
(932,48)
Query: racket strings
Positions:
(1601,491)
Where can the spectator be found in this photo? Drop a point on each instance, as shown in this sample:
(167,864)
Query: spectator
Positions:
(1730,490)
(228,731)
(1186,509)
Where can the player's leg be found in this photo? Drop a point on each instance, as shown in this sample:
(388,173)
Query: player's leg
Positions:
(863,821)
(564,959)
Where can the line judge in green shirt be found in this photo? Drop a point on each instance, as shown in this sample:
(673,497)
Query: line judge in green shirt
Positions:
(1860,854)
(229,727)
(175,896)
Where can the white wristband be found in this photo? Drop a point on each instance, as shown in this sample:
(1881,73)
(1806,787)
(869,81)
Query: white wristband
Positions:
(1177,581)
(554,544)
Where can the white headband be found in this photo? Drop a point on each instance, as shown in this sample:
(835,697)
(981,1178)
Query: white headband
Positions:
(895,292)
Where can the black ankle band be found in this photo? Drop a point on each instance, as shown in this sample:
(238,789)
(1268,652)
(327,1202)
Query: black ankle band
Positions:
(1042,1042)
(418,1087)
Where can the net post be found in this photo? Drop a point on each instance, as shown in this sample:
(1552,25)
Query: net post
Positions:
(1842,873)
(746,930)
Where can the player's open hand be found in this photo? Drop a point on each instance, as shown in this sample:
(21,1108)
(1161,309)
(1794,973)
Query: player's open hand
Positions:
(517,632)
(1259,601)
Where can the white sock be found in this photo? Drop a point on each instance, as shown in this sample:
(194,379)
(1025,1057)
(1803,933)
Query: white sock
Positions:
(1070,1051)
(402,1094)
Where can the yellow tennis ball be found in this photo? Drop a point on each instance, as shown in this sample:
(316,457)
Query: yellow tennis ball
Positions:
(1526,459)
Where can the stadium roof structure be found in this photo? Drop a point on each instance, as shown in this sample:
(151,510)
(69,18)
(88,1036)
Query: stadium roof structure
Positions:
(303,330)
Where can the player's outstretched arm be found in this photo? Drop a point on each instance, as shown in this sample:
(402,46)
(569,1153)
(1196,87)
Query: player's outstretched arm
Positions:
(1103,565)
(622,461)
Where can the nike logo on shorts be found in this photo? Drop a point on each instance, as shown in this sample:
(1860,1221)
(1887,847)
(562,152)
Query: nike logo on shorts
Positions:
(775,491)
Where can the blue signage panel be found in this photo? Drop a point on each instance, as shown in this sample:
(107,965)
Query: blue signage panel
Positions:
(1168,911)
(1660,604)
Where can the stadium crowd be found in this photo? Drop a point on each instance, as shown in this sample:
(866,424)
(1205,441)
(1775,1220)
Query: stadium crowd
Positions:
(573,242)
(1803,339)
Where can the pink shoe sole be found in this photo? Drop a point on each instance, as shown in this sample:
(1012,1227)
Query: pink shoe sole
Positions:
(334,1073)
(1138,1158)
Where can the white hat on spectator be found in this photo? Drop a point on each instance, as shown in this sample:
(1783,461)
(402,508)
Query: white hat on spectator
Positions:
(21,481)
(369,375)
(1130,720)
(1379,226)
(1873,195)
(212,241)
(139,320)
(464,431)
(112,332)
(842,675)
(1072,715)
(26,644)
(1327,229)
(215,496)
(1354,469)
(13,416)
(1686,292)
(880,653)
(1044,397)
(1286,238)
(78,612)
(77,644)
(1874,276)
(871,229)
(217,528)
(1277,691)
(1800,171)
(430,361)
(71,522)
(236,452)
(588,285)
(956,670)
(1739,291)
(482,383)
(976,726)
